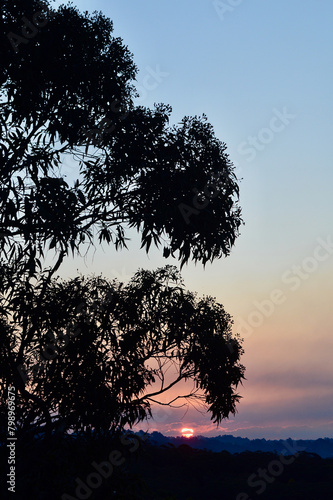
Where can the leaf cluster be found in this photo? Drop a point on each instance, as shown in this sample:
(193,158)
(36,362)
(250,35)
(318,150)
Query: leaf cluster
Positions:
(62,85)
(116,349)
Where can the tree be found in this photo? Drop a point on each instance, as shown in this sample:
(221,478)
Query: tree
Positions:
(67,91)
(103,362)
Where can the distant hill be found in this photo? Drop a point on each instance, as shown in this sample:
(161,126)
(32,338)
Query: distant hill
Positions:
(322,447)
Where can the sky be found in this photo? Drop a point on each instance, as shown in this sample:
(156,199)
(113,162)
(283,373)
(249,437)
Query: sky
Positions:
(262,73)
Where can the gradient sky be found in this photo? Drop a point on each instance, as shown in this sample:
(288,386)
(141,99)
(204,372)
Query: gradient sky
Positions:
(262,73)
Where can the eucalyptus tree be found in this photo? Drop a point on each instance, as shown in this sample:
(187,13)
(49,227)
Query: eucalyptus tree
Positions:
(117,348)
(68,95)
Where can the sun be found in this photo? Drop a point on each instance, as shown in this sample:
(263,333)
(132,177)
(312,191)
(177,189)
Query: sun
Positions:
(186,432)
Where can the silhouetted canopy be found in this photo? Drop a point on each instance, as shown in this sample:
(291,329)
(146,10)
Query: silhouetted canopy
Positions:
(67,94)
(97,346)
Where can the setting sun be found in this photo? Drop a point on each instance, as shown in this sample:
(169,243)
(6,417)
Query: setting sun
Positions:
(187,432)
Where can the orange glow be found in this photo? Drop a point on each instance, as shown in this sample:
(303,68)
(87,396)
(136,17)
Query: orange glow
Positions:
(188,433)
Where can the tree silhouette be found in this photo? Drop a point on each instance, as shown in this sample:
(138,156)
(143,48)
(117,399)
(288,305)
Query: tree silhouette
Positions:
(174,184)
(103,361)
(68,94)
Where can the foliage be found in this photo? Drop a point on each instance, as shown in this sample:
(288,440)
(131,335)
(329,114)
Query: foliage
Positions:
(56,93)
(90,354)
(103,361)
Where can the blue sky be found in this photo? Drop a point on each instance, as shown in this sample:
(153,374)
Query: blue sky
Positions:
(262,73)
